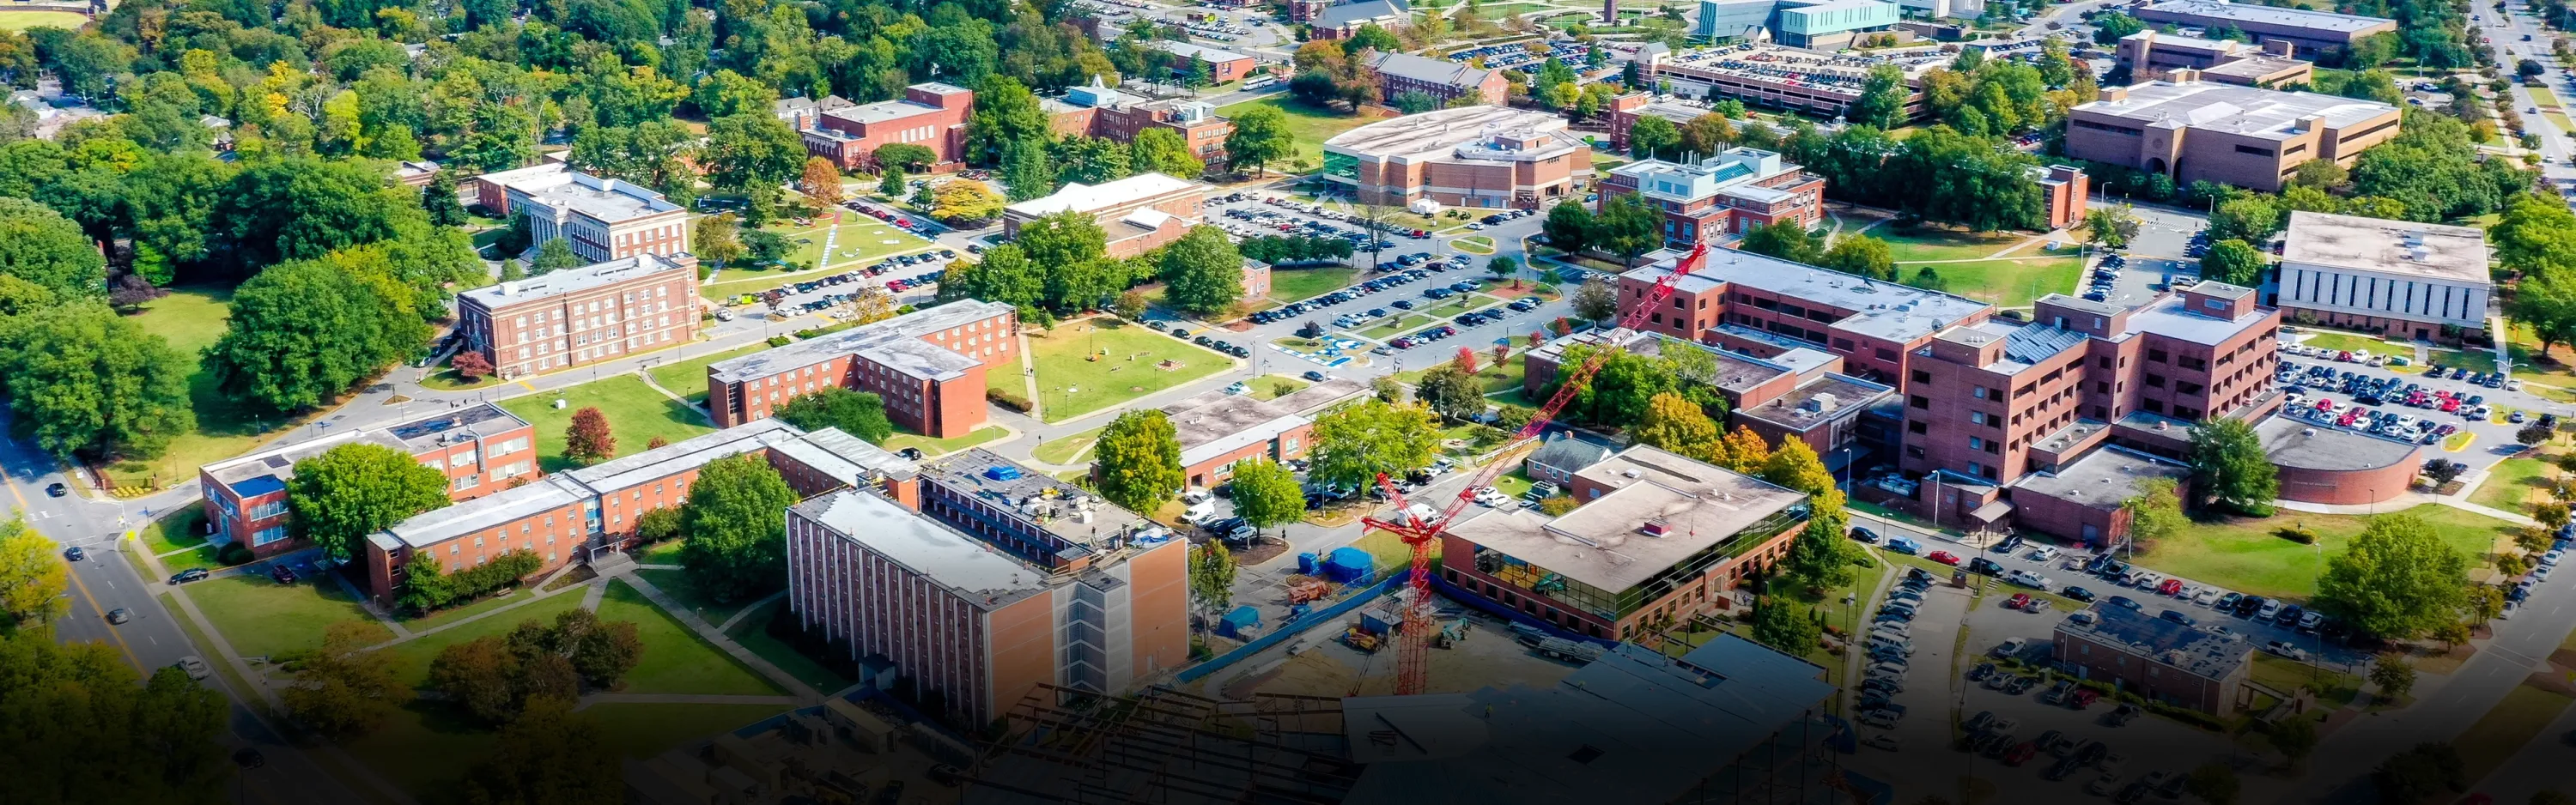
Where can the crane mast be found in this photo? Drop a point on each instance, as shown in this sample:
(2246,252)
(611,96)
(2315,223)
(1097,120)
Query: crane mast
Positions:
(1413,644)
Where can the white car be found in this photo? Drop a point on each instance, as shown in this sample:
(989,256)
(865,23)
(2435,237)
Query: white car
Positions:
(2207,596)
(1882,740)
(2552,557)
(2032,580)
(195,667)
(2283,648)
(2011,646)
(2043,554)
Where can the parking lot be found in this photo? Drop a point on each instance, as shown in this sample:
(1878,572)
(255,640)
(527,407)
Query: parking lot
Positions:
(2413,406)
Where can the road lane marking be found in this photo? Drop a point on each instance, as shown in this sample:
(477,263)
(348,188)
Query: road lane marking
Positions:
(74,575)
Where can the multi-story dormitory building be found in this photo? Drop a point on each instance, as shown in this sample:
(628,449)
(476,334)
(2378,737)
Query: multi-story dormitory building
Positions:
(1005,579)
(1992,415)
(929,366)
(566,517)
(481,449)
(577,316)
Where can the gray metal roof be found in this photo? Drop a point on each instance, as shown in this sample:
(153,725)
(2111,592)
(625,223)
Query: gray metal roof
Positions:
(1437,71)
(2171,316)
(2101,479)
(2269,15)
(896,343)
(1347,13)
(1881,309)
(2186,648)
(971,568)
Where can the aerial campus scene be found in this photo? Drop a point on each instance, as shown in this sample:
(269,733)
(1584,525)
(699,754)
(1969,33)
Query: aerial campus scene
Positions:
(1310,401)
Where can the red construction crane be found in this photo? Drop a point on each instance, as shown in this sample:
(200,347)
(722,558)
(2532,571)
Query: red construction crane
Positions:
(1420,533)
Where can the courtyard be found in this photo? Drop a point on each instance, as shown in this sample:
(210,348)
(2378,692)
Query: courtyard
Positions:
(1101,363)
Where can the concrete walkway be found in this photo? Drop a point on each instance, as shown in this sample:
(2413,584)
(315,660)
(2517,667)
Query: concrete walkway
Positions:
(727,626)
(1029,376)
(597,592)
(804,693)
(531,598)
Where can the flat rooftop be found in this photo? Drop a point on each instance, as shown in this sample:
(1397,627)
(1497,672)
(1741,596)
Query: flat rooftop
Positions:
(1604,543)
(1196,51)
(1435,71)
(970,568)
(2231,108)
(2025,344)
(1735,371)
(1215,423)
(1054,505)
(1880,309)
(610,200)
(2256,67)
(2269,15)
(2172,316)
(888,111)
(1079,197)
(574,280)
(1818,401)
(895,343)
(2299,444)
(1779,64)
(2455,254)
(2101,479)
(1436,132)
(2194,651)
(268,470)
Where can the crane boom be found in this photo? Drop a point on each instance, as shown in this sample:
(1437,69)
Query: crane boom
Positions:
(1419,533)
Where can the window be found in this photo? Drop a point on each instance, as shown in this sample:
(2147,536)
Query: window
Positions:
(268,535)
(1975,443)
(1921,376)
(1976,417)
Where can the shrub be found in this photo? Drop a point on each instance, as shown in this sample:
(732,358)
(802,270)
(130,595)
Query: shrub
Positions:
(2299,533)
(1557,506)
(234,553)
(1006,399)
(780,340)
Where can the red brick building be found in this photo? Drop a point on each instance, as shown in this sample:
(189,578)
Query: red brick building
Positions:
(1219,430)
(571,516)
(2062,189)
(1484,157)
(929,366)
(1656,538)
(602,219)
(1721,196)
(1443,80)
(1764,307)
(578,316)
(2159,659)
(480,448)
(1098,111)
(1797,394)
(1223,65)
(1138,214)
(931,115)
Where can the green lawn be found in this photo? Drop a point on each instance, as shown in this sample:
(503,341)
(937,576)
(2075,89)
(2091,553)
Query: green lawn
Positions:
(20,20)
(666,552)
(1933,243)
(1496,379)
(1066,450)
(180,529)
(192,318)
(677,584)
(2512,484)
(2348,342)
(2542,96)
(2529,363)
(446,379)
(1128,366)
(2286,675)
(2248,556)
(1310,126)
(264,618)
(2009,283)
(414,655)
(753,634)
(2504,730)
(1461,305)
(687,376)
(641,731)
(422,729)
(1272,387)
(2561,120)
(936,447)
(1396,325)
(1300,284)
(675,659)
(454,614)
(636,413)
(1478,244)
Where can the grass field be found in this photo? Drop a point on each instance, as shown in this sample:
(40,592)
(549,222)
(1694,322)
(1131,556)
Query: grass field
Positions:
(1478,244)
(676,583)
(415,654)
(753,634)
(1067,450)
(456,614)
(936,447)
(192,318)
(179,529)
(2542,96)
(2529,363)
(1310,126)
(1496,379)
(1300,284)
(2513,484)
(687,377)
(1461,305)
(15,20)
(2349,341)
(1269,387)
(1932,243)
(2561,120)
(2009,283)
(1069,386)
(636,414)
(2503,731)
(1395,326)
(264,618)
(2247,555)
(675,659)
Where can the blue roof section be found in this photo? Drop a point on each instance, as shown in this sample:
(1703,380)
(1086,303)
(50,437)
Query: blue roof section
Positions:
(2037,343)
(257,486)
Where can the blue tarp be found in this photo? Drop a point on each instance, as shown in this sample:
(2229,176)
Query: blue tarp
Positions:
(1350,565)
(1243,620)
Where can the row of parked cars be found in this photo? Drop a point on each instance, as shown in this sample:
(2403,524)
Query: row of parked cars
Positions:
(2224,602)
(1890,644)
(2106,277)
(1378,285)
(1176,330)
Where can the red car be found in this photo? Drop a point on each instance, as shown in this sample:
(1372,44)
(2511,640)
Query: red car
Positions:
(2018,601)
(2084,697)
(2170,587)
(2021,753)
(1944,557)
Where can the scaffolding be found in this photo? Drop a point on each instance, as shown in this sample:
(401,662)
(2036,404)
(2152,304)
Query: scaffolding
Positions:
(1164,747)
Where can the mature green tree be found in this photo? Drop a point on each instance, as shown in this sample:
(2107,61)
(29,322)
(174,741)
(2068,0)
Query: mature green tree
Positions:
(303,332)
(170,205)
(1090,160)
(1860,254)
(2423,773)
(2112,227)
(1778,623)
(2228,465)
(2110,27)
(857,413)
(439,200)
(2394,674)
(357,489)
(1212,574)
(1786,239)
(83,728)
(1159,150)
(1006,116)
(1966,180)
(1676,424)
(548,755)
(1137,461)
(1261,137)
(1202,272)
(1451,392)
(908,157)
(2294,738)
(344,690)
(1266,494)
(301,208)
(1653,137)
(41,246)
(1357,443)
(2536,232)
(1882,98)
(736,528)
(1568,226)
(1028,172)
(1620,392)
(554,255)
(2234,262)
(2398,580)
(1628,228)
(2155,512)
(2545,300)
(85,381)
(34,579)
(2252,219)
(1596,301)
(753,149)
(2435,171)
